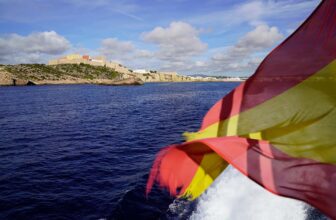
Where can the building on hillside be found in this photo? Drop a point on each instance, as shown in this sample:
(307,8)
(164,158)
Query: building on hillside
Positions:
(73,56)
(143,74)
(95,61)
(86,57)
(155,76)
(141,71)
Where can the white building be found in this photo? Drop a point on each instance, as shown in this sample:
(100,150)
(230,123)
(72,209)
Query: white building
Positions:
(141,71)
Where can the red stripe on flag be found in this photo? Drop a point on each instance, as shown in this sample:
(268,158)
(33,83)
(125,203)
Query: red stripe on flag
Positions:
(174,169)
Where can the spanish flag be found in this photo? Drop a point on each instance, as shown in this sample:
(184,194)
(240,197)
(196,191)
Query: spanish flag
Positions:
(278,127)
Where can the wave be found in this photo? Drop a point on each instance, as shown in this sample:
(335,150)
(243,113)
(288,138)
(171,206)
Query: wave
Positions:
(234,196)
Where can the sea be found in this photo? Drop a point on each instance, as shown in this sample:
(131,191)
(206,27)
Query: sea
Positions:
(85,151)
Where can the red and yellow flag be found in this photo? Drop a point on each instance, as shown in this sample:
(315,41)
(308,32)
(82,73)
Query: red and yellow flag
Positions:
(278,127)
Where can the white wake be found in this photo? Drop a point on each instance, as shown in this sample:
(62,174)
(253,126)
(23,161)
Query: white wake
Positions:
(234,197)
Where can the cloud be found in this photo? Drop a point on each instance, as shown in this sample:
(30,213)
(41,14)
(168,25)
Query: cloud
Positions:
(114,48)
(178,41)
(180,49)
(15,48)
(143,54)
(260,38)
(126,52)
(242,56)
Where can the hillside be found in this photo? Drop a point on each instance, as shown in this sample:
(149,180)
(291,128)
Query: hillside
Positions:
(35,74)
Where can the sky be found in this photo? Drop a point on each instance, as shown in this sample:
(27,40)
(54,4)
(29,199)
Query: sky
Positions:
(212,37)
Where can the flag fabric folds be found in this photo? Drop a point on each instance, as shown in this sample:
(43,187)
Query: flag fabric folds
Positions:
(277,128)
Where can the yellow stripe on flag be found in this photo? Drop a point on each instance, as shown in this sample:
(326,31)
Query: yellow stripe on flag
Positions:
(300,122)
(211,166)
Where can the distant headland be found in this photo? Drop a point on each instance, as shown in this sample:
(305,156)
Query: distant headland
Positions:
(84,69)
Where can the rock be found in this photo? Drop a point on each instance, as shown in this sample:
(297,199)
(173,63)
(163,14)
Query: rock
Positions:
(22,82)
(30,83)
(6,79)
(124,82)
(19,82)
(6,82)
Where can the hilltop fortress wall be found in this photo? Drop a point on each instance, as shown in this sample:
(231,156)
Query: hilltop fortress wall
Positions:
(94,61)
(146,76)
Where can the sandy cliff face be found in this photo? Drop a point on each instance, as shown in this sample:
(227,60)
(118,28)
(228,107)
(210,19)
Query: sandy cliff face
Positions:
(8,79)
(5,77)
(124,82)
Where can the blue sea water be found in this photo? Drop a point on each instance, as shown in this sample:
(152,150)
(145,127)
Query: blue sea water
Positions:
(84,151)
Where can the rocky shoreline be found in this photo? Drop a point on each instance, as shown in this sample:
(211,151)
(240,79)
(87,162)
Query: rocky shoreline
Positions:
(19,82)
(29,76)
(69,74)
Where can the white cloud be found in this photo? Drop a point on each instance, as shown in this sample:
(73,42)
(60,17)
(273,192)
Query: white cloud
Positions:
(179,48)
(114,48)
(48,42)
(126,52)
(241,56)
(260,38)
(15,48)
(179,41)
(143,54)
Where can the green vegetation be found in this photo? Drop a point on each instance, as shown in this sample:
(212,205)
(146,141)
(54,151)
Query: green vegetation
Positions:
(62,71)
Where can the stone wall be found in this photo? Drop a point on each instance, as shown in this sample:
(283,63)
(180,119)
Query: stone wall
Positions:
(97,61)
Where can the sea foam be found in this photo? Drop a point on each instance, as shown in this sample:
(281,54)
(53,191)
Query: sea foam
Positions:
(234,196)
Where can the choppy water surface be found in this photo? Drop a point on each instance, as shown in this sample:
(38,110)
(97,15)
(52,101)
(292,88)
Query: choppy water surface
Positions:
(84,151)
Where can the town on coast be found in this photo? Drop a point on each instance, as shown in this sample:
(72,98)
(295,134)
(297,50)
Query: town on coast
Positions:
(86,69)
